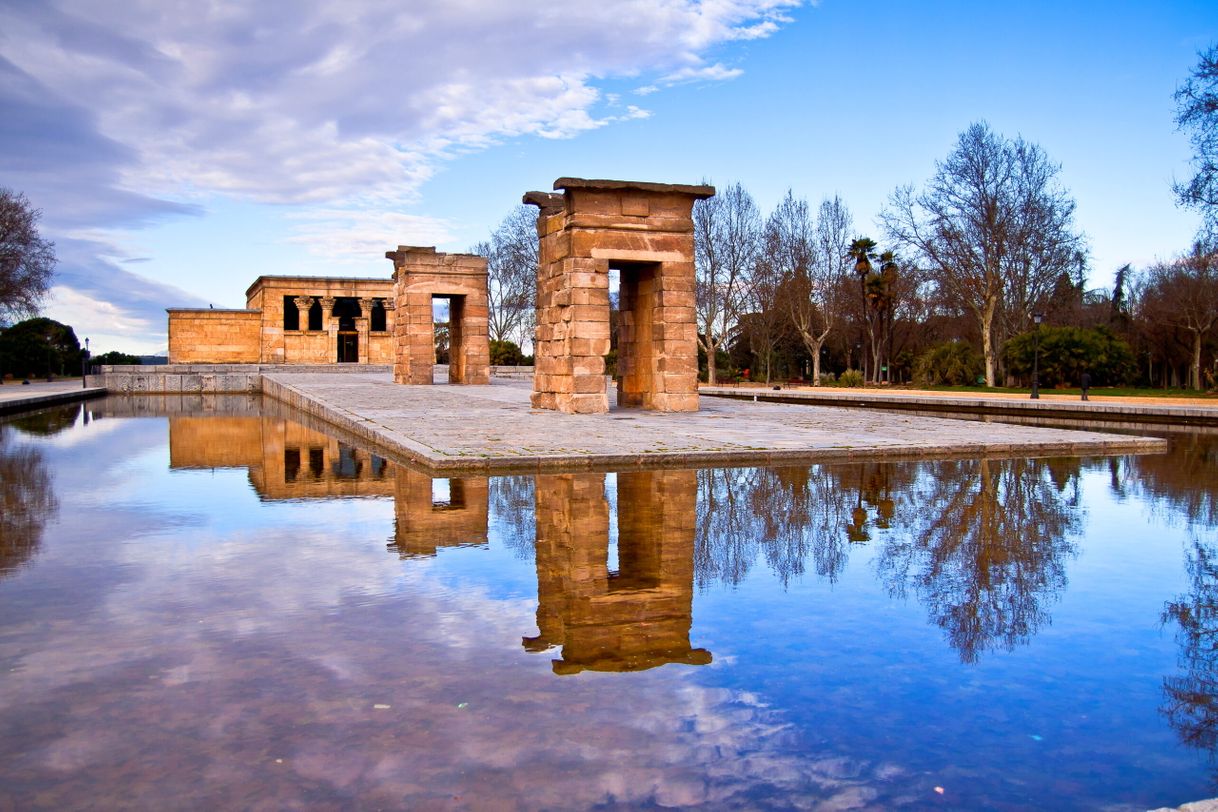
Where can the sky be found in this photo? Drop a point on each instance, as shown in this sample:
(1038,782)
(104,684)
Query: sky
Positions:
(179,150)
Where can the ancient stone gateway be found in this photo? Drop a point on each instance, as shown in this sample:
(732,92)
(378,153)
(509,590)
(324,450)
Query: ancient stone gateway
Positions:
(645,232)
(421,275)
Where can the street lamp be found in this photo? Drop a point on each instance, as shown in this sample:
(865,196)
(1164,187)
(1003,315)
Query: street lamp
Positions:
(84,369)
(1036,318)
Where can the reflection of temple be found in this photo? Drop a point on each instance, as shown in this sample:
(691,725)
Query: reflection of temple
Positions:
(285,460)
(289,461)
(429,513)
(635,618)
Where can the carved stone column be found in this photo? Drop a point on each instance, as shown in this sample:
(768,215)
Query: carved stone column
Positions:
(330,326)
(303,305)
(362,325)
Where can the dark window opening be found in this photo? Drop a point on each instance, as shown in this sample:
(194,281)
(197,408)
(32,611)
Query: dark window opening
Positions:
(317,462)
(291,464)
(347,466)
(376,319)
(377,466)
(346,310)
(315,315)
(291,316)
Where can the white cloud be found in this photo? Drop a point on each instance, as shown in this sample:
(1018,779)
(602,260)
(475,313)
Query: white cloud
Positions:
(358,98)
(131,113)
(89,316)
(354,234)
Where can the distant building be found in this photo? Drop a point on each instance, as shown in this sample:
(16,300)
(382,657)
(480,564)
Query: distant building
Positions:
(291,320)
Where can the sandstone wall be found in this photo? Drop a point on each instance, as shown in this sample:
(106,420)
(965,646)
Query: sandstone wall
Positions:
(214,336)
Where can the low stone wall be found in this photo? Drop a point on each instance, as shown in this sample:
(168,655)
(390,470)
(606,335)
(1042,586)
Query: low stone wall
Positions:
(512,372)
(173,379)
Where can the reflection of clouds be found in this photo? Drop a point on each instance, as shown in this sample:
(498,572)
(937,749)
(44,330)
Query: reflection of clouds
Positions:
(200,670)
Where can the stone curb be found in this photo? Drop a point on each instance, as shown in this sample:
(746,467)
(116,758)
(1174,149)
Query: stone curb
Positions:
(1091,410)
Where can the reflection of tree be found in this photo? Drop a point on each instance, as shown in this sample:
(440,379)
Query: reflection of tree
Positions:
(1184,482)
(1192,697)
(47,422)
(511,513)
(986,549)
(784,514)
(26,502)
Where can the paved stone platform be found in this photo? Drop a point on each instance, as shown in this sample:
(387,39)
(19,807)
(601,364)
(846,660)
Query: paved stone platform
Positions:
(494,428)
(15,397)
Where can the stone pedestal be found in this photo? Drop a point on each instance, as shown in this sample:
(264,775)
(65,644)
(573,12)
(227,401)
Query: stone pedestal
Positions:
(420,275)
(644,231)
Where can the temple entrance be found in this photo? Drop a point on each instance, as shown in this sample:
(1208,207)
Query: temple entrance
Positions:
(634,334)
(441,306)
(348,347)
(449,314)
(644,231)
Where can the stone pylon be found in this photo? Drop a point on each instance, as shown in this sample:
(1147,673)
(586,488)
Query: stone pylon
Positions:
(421,275)
(644,231)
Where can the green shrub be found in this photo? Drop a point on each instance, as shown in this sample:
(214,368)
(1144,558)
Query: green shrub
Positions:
(954,363)
(1067,352)
(827,379)
(506,353)
(851,377)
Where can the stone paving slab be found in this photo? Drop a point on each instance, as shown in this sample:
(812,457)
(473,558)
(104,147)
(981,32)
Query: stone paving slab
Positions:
(490,428)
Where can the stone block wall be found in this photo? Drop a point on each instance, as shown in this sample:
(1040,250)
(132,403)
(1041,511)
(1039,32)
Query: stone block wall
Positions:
(644,231)
(214,336)
(421,275)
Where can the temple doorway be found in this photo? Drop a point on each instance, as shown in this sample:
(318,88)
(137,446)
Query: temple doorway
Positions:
(348,347)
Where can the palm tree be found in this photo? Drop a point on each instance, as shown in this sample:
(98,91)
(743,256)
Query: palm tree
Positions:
(862,251)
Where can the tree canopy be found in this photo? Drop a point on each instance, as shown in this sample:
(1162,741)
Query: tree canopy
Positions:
(1197,114)
(993,227)
(26,260)
(39,347)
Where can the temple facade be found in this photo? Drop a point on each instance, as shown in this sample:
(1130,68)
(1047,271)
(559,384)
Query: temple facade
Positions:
(292,320)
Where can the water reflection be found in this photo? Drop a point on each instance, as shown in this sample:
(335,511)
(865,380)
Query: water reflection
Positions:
(49,422)
(1192,697)
(441,512)
(985,548)
(1184,486)
(637,616)
(27,501)
(272,652)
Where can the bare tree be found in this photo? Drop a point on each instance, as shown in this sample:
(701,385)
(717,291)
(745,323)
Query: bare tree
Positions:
(26,260)
(511,275)
(992,225)
(815,256)
(765,321)
(727,228)
(1184,294)
(1197,112)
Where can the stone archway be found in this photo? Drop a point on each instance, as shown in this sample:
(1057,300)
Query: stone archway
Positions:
(421,275)
(645,231)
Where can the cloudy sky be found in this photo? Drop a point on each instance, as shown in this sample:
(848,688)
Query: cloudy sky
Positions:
(179,150)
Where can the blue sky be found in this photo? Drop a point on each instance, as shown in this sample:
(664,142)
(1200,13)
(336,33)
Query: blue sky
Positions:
(178,152)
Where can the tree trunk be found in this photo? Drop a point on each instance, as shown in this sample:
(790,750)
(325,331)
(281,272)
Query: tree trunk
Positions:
(987,341)
(816,364)
(1195,371)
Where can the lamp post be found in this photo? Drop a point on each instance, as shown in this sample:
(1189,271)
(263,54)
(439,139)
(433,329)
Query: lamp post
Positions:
(1036,318)
(84,368)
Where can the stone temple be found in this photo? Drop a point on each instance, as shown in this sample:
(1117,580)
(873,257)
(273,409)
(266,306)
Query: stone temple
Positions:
(643,232)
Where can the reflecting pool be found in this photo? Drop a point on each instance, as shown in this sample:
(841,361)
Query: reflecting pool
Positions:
(206,603)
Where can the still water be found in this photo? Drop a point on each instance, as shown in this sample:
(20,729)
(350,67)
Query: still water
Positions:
(224,608)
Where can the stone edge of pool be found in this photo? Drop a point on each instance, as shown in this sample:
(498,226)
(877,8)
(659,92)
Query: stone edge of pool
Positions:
(410,450)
